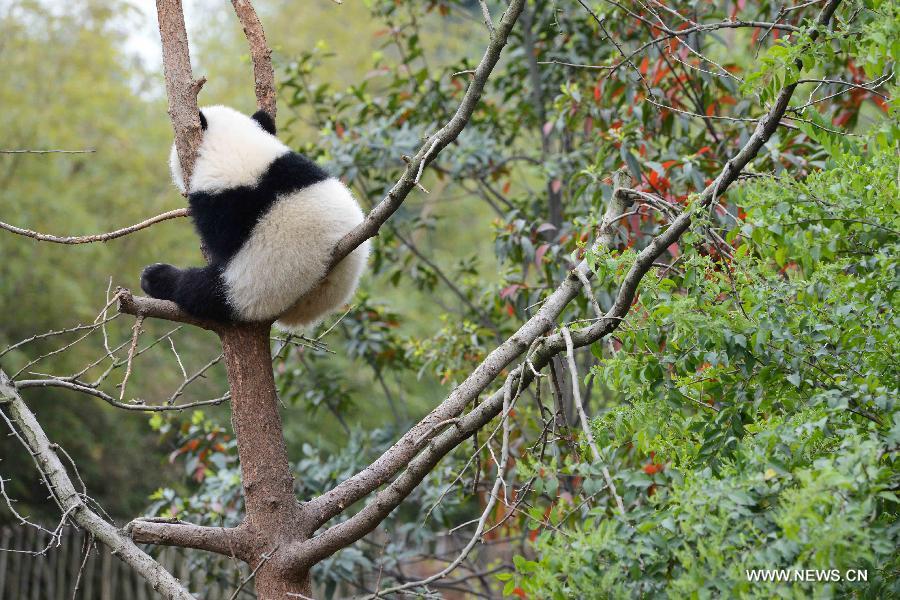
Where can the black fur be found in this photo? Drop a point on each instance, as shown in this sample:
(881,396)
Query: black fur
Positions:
(225,219)
(264,119)
(198,291)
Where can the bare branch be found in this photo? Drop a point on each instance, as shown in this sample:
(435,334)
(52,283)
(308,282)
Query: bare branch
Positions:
(141,306)
(227,541)
(99,237)
(16,412)
(433,146)
(585,423)
(90,390)
(260,54)
(486,13)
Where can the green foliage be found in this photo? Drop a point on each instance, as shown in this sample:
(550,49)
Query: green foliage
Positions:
(68,85)
(758,430)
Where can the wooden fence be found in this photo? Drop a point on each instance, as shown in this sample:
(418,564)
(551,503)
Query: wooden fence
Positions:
(24,576)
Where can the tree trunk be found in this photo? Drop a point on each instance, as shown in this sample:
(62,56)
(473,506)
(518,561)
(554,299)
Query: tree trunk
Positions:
(273,517)
(274,583)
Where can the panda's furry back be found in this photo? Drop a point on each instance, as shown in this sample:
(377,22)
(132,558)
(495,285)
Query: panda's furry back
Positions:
(270,218)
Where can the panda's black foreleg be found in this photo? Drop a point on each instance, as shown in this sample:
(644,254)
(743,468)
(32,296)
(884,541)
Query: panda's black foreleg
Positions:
(199,291)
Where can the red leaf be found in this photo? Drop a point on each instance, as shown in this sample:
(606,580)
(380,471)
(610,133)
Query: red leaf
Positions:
(519,592)
(841,118)
(660,73)
(653,468)
(509,290)
(539,254)
(506,187)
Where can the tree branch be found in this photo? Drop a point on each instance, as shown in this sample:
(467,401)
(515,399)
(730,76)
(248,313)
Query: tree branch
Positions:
(142,306)
(72,503)
(136,406)
(227,541)
(260,54)
(408,452)
(98,237)
(181,87)
(434,144)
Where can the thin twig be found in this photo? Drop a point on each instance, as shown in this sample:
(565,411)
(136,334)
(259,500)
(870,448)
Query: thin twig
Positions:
(135,333)
(585,423)
(98,237)
(88,151)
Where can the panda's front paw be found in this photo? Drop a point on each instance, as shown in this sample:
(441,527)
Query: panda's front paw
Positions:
(160,280)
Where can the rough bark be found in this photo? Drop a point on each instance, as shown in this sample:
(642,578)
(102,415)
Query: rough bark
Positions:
(181,87)
(260,54)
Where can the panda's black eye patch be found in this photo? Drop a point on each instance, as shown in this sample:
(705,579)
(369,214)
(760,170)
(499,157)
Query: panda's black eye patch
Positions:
(203,123)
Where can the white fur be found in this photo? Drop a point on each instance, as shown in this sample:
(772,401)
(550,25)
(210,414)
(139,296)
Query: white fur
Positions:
(273,273)
(235,151)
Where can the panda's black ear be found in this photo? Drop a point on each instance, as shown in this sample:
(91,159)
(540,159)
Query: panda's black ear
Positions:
(203,123)
(265,120)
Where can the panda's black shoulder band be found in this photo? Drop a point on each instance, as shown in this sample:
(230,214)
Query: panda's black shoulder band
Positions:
(265,120)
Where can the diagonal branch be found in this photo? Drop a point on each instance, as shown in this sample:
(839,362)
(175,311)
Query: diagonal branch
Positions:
(406,452)
(416,454)
(434,144)
(14,410)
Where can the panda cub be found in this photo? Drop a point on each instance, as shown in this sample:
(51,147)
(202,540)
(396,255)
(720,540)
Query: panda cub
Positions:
(269,219)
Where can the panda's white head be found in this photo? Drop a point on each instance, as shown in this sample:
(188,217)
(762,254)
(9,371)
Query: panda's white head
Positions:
(235,150)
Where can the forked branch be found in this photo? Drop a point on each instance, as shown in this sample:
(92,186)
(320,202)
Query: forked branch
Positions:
(417,452)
